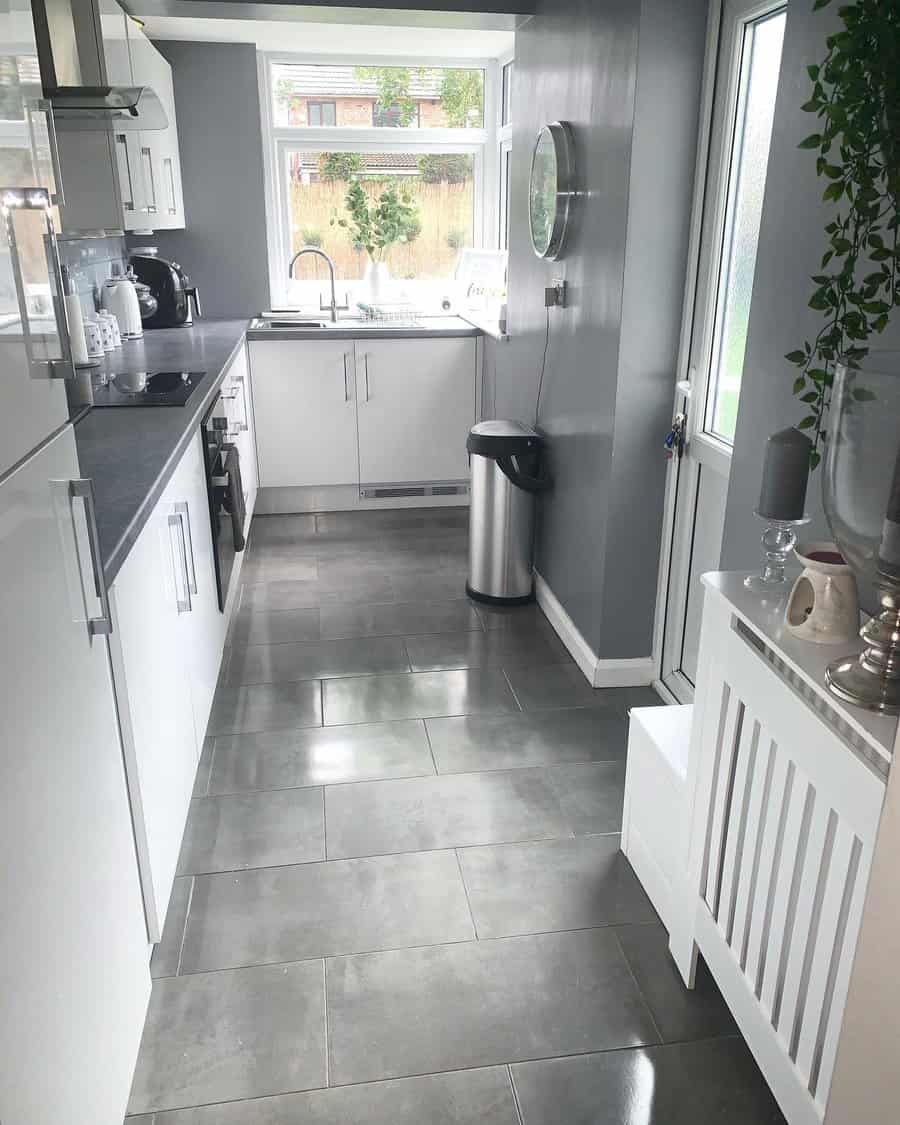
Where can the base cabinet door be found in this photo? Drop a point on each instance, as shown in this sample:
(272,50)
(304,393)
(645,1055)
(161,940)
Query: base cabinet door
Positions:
(153,684)
(416,403)
(305,412)
(74,977)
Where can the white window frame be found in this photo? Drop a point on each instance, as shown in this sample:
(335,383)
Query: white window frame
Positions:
(504,150)
(481,144)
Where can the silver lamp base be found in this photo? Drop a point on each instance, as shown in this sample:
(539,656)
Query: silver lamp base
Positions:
(872,679)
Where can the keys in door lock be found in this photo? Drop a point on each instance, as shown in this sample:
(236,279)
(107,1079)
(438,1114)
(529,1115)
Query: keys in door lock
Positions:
(674,443)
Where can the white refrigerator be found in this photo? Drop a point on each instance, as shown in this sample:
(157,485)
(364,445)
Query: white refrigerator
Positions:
(74,974)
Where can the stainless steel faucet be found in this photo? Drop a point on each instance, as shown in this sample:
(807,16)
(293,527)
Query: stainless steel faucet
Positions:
(334,307)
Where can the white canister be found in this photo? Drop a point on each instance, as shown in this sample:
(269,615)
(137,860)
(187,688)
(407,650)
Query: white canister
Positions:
(76,330)
(93,338)
(823,606)
(109,324)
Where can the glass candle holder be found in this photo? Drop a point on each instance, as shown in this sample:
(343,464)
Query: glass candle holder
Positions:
(778,541)
(861,491)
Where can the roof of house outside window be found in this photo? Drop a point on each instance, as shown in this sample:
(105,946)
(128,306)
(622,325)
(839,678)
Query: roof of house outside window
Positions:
(317,81)
(373,162)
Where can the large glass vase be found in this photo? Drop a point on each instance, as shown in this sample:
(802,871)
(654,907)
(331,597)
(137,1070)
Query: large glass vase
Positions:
(861,489)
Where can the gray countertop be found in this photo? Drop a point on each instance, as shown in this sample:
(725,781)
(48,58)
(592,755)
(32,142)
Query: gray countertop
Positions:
(131,452)
(426,327)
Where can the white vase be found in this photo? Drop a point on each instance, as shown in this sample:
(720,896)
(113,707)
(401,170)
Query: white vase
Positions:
(376,282)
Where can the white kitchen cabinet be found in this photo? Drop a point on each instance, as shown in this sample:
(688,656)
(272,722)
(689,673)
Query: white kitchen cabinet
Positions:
(238,398)
(304,400)
(166,646)
(416,403)
(161,201)
(74,976)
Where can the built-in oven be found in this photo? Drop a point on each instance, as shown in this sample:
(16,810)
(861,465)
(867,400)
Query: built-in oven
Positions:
(226,494)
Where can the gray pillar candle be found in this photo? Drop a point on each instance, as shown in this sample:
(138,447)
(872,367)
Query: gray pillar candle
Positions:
(782,495)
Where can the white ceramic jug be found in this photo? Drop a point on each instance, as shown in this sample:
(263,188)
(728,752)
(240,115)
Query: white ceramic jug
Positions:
(824,605)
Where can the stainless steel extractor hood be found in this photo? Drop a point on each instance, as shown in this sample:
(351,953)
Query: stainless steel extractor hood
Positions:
(73,71)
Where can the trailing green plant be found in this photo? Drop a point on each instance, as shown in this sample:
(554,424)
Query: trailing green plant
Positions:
(339,165)
(856,96)
(377,224)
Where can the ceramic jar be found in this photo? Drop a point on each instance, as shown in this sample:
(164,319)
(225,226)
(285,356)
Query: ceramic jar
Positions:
(823,606)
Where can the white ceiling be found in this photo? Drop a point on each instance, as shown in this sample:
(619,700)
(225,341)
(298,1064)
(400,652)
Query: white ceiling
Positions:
(359,31)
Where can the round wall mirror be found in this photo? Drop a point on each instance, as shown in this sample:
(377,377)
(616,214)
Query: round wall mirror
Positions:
(552,189)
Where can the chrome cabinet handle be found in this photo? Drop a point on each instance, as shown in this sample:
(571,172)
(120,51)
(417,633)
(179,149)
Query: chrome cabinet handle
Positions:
(121,143)
(182,510)
(346,380)
(41,105)
(245,424)
(366,365)
(13,200)
(82,488)
(176,521)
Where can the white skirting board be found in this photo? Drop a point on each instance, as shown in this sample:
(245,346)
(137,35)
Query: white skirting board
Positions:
(636,672)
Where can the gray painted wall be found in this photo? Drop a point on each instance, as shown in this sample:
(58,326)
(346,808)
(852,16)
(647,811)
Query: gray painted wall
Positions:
(628,78)
(224,246)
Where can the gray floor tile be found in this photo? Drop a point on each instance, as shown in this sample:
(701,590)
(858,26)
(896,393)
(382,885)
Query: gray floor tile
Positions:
(559,685)
(266,664)
(205,1041)
(269,566)
(286,594)
(420,1011)
(491,742)
(499,648)
(522,618)
(436,586)
(380,817)
(258,707)
(685,1084)
(680,1013)
(267,628)
(322,909)
(166,955)
(552,885)
(591,795)
(469,1097)
(275,530)
(638,697)
(320,756)
(201,781)
(253,830)
(418,695)
(397,620)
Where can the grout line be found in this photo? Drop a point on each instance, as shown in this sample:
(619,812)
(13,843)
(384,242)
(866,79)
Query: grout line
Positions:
(184,927)
(324,827)
(327,1032)
(434,764)
(640,991)
(515,1094)
(512,689)
(212,762)
(466,892)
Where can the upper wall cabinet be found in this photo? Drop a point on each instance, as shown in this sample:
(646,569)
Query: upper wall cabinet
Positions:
(153,156)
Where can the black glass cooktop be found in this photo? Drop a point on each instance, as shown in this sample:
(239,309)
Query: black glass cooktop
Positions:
(150,388)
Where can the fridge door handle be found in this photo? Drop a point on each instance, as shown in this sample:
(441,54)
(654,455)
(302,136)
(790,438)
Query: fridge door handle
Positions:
(41,105)
(12,201)
(82,488)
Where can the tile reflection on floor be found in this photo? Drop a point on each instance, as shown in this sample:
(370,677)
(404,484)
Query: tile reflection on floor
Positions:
(401,899)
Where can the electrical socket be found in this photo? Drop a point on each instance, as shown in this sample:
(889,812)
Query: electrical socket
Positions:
(555,294)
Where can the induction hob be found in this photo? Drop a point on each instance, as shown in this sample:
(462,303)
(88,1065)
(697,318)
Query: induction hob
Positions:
(155,388)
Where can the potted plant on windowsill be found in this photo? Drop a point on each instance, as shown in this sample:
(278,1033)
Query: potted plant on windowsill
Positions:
(376,225)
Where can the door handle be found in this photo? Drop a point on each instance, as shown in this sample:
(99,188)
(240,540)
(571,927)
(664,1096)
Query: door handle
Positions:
(346,380)
(182,510)
(41,105)
(179,550)
(245,424)
(82,488)
(12,201)
(366,366)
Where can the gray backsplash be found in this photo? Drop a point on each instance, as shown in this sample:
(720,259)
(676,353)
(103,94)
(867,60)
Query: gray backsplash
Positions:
(90,261)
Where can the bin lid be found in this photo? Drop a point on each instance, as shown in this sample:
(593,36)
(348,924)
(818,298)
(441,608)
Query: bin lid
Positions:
(503,438)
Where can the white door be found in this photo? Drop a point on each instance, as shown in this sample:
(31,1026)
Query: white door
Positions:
(743,63)
(152,672)
(416,404)
(304,403)
(74,977)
